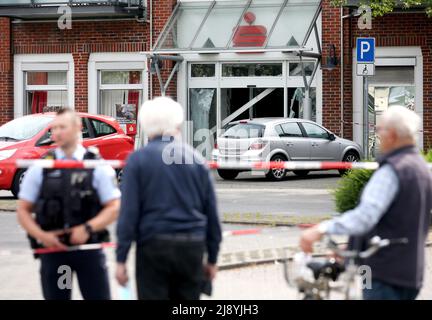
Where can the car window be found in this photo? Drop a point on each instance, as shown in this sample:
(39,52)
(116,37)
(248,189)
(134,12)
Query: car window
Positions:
(244,131)
(46,139)
(289,129)
(24,128)
(314,131)
(101,128)
(85,129)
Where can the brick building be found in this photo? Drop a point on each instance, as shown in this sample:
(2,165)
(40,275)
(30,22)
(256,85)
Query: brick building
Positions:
(238,59)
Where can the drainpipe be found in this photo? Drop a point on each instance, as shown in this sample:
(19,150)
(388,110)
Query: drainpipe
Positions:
(151,46)
(342,17)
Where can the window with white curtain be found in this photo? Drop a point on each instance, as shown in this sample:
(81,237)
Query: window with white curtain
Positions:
(119,88)
(45,91)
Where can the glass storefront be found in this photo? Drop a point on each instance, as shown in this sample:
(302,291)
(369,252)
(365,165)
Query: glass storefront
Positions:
(237,91)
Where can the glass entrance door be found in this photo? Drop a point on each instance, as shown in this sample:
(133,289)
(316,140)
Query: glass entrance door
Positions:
(391,86)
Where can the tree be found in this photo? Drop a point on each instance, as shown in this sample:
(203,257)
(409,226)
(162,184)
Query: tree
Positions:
(381,7)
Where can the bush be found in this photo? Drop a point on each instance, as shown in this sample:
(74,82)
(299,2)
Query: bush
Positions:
(350,186)
(348,192)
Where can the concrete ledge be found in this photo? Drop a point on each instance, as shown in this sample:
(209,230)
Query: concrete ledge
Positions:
(273,219)
(8,205)
(250,258)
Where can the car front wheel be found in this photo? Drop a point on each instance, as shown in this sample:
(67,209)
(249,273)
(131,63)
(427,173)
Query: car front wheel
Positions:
(350,156)
(276,174)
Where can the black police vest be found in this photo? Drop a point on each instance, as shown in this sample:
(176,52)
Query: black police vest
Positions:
(67,198)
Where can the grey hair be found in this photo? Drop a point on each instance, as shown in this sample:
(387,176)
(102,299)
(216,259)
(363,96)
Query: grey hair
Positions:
(161,116)
(405,122)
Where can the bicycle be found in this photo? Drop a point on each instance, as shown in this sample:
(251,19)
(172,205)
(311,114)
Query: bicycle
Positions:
(322,276)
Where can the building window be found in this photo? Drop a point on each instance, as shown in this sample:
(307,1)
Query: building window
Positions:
(119,90)
(252,70)
(295,69)
(43,83)
(203,70)
(45,91)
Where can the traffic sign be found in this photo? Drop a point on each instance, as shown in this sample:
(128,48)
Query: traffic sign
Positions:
(365,50)
(365,69)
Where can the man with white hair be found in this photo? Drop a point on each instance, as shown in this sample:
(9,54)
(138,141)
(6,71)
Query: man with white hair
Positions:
(169,209)
(396,203)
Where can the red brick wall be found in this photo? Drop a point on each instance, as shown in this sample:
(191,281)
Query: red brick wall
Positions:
(331,78)
(406,29)
(84,38)
(6,72)
(161,12)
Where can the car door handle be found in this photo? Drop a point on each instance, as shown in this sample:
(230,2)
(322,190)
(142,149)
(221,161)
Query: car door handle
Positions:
(315,144)
(290,144)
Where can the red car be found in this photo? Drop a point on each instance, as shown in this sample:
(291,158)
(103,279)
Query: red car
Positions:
(29,137)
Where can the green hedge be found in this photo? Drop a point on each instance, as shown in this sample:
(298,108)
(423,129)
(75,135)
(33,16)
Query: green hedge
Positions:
(347,194)
(350,186)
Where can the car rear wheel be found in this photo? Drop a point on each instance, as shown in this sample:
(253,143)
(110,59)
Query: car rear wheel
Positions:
(276,174)
(350,156)
(301,173)
(228,174)
(16,183)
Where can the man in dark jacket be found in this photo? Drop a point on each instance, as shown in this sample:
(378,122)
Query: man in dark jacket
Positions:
(396,203)
(169,209)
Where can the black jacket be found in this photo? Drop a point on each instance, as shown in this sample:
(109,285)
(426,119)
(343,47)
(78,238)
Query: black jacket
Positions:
(163,198)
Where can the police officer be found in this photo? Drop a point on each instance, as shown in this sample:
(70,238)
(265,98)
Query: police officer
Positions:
(71,207)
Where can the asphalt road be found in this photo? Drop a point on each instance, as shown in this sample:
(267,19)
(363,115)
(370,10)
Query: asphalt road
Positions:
(252,193)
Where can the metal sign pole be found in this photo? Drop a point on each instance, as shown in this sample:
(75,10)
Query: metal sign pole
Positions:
(365,56)
(365,118)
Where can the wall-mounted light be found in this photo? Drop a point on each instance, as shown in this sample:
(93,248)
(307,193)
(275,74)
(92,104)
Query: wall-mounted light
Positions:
(331,60)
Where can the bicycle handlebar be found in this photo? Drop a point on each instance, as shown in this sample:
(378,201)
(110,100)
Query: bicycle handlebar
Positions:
(376,243)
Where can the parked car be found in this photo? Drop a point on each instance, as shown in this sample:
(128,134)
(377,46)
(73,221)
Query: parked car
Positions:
(29,137)
(281,139)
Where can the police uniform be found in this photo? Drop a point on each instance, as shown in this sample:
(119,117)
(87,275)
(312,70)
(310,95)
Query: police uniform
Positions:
(64,199)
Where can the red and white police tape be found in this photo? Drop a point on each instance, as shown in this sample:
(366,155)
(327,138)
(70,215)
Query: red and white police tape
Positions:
(67,164)
(288,165)
(83,247)
(96,246)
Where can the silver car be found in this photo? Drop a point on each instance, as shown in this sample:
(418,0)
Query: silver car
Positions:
(280,139)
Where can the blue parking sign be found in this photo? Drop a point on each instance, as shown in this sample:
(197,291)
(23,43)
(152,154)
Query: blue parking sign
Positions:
(365,50)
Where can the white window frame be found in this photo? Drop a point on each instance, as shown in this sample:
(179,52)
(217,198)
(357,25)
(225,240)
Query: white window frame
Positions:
(385,56)
(115,61)
(41,62)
